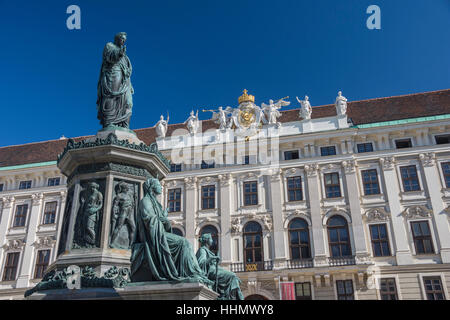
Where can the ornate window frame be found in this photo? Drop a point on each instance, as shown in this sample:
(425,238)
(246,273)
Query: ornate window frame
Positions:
(175,184)
(291,173)
(332,168)
(247,177)
(208,181)
(378,215)
(409,216)
(441,275)
(346,215)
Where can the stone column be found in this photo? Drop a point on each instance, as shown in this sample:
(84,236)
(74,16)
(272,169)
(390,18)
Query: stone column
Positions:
(107,208)
(190,201)
(313,188)
(279,253)
(403,252)
(351,180)
(225,218)
(434,190)
(25,273)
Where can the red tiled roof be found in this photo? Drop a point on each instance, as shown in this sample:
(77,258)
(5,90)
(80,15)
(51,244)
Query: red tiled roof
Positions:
(361,112)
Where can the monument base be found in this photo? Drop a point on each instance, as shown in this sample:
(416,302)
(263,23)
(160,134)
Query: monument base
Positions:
(133,291)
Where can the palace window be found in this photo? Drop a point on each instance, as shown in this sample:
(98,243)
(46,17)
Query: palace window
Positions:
(294,188)
(332,185)
(446,171)
(253,246)
(175,167)
(410,178)
(50,212)
(291,155)
(246,160)
(177,231)
(1,187)
(328,151)
(364,147)
(299,239)
(42,260)
(53,181)
(207,164)
(25,184)
(21,215)
(370,182)
(380,240)
(11,264)
(174,200)
(215,236)
(388,289)
(250,193)
(403,143)
(208,197)
(338,237)
(303,291)
(422,237)
(345,290)
(442,139)
(433,288)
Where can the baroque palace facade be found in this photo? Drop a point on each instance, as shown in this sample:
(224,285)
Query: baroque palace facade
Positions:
(342,201)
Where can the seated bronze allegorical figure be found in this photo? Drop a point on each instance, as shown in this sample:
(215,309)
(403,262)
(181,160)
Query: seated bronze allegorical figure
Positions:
(157,254)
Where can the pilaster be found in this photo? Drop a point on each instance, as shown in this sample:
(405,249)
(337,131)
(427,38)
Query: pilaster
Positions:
(190,208)
(277,217)
(226,202)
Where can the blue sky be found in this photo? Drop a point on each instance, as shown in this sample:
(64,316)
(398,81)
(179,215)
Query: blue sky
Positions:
(202,53)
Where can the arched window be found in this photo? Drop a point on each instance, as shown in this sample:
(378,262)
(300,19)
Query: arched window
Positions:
(338,237)
(299,239)
(253,247)
(177,231)
(214,234)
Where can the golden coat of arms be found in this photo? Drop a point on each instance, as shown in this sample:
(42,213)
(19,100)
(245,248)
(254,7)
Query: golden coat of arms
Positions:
(247,116)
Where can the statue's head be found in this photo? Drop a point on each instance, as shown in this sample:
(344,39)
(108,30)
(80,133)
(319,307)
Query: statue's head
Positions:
(93,186)
(206,239)
(120,38)
(162,117)
(152,185)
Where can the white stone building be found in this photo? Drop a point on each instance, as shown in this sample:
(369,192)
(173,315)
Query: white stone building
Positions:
(349,201)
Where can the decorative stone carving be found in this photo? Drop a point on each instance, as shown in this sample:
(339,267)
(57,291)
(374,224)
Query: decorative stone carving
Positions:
(387,163)
(222,117)
(289,215)
(427,159)
(311,169)
(271,111)
(236,225)
(207,180)
(416,212)
(37,199)
(349,166)
(87,231)
(249,175)
(305,110)
(276,175)
(190,182)
(341,104)
(123,226)
(363,258)
(192,123)
(268,223)
(8,202)
(376,214)
(14,244)
(45,242)
(225,179)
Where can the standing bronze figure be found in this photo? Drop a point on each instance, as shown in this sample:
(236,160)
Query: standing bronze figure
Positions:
(114,89)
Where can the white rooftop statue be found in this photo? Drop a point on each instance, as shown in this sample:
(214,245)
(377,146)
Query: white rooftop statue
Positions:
(192,122)
(306,110)
(161,126)
(341,104)
(271,111)
(221,117)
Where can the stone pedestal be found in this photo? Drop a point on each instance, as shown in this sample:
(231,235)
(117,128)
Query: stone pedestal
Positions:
(105,177)
(133,291)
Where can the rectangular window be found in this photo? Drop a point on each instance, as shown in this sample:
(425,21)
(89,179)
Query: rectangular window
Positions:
(410,178)
(370,182)
(442,139)
(50,212)
(175,167)
(208,197)
(246,160)
(174,200)
(446,171)
(11,264)
(25,184)
(403,143)
(250,193)
(21,215)
(388,289)
(42,260)
(294,188)
(380,240)
(345,290)
(1,187)
(291,155)
(433,288)
(53,181)
(207,165)
(365,147)
(328,151)
(332,186)
(422,237)
(303,291)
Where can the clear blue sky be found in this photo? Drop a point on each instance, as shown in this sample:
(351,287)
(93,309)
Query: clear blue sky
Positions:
(202,53)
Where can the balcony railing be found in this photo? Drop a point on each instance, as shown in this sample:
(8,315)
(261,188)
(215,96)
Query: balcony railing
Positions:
(301,263)
(341,261)
(251,266)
